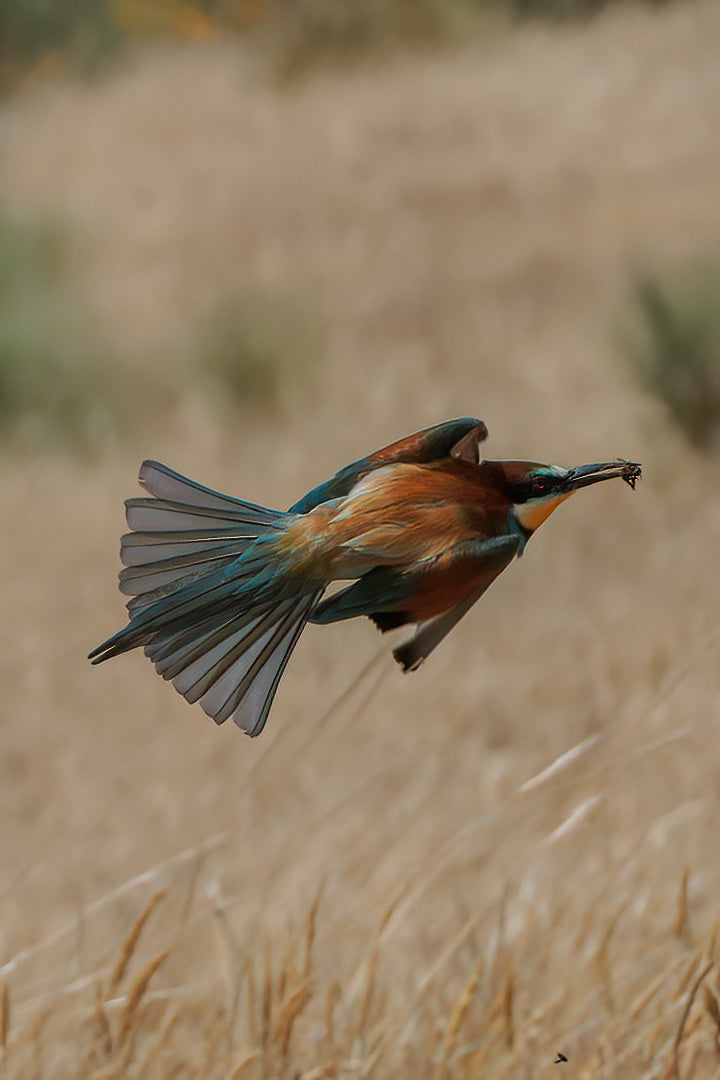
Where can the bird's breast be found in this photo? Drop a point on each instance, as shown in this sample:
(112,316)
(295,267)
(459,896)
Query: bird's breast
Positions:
(397,515)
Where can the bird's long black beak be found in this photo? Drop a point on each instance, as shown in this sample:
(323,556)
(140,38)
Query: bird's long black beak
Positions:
(583,475)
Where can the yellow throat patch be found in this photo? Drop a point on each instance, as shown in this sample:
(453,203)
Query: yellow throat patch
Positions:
(532,514)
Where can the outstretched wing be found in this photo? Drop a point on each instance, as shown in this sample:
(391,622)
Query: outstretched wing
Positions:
(485,564)
(455,438)
(393,597)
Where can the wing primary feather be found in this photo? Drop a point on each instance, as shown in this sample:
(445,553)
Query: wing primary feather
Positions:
(262,691)
(199,676)
(289,627)
(491,557)
(171,654)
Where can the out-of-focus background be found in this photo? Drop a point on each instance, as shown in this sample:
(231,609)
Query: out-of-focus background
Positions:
(257,241)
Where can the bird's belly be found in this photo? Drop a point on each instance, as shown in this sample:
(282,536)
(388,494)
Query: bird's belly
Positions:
(441,589)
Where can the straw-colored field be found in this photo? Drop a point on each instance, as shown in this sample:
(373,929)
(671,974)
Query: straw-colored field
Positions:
(388,882)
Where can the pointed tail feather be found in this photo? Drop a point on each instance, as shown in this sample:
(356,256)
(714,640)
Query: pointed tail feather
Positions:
(213,596)
(165,483)
(212,603)
(184,531)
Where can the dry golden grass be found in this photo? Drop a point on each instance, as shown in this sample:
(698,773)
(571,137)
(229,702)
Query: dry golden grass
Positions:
(513,852)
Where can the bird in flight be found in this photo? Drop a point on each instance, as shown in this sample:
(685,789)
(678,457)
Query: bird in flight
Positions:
(220,589)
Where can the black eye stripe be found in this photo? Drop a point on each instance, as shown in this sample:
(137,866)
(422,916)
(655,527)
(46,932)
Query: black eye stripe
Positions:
(535,488)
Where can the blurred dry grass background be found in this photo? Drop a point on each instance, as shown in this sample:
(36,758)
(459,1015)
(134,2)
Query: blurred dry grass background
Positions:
(388,883)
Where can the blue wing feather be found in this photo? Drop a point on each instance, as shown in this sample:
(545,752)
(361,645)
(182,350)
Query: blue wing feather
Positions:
(431,444)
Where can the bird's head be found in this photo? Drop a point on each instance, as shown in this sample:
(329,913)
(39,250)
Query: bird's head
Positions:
(535,490)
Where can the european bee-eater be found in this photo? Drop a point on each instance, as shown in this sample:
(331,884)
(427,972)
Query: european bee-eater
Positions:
(221,588)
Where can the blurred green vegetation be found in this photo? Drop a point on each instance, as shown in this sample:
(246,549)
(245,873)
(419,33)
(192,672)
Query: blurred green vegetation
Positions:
(673,342)
(54,387)
(259,353)
(301,34)
(41,35)
(51,33)
(63,389)
(563,9)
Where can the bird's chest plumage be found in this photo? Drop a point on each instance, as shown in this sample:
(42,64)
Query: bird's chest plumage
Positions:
(399,515)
